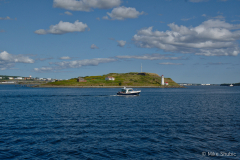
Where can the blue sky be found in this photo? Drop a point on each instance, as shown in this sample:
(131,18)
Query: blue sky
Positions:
(192,41)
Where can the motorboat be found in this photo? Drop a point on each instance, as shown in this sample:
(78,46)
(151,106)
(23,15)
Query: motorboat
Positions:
(230,85)
(128,91)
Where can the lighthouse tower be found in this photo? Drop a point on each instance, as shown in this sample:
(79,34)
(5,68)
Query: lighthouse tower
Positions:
(162,80)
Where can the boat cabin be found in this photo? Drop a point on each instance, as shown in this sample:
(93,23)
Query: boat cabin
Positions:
(126,90)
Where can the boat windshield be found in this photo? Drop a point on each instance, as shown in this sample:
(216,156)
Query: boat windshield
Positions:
(123,90)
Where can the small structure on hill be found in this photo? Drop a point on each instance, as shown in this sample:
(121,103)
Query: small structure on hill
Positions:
(109,78)
(166,83)
(80,79)
(142,74)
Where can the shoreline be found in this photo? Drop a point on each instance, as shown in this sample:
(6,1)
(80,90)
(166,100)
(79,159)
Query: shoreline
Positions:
(109,86)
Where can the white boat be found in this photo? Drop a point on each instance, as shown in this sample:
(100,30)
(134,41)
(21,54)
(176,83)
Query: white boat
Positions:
(128,91)
(230,85)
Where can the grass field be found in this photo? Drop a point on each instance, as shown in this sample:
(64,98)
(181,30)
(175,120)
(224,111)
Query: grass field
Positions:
(121,79)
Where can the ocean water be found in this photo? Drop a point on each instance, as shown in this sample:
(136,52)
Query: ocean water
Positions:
(201,122)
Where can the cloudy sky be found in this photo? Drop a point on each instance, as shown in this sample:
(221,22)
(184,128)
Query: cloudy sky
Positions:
(192,41)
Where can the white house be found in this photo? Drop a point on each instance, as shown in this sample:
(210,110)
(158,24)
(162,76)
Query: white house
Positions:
(166,83)
(20,78)
(0,77)
(10,77)
(109,78)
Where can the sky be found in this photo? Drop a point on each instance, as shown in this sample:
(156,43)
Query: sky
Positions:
(190,41)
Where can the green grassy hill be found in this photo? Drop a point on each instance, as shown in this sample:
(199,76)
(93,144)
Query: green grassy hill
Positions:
(121,79)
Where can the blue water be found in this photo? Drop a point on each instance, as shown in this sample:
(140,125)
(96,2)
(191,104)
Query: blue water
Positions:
(94,123)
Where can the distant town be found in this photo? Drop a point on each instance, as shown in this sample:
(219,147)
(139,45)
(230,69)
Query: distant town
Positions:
(30,79)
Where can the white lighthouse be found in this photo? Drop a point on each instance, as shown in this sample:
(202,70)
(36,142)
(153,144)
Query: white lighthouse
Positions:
(162,80)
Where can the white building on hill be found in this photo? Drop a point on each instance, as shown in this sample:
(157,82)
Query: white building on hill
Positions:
(109,78)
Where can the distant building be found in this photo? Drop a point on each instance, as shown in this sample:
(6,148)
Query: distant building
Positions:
(19,78)
(49,79)
(27,78)
(0,77)
(109,78)
(142,74)
(10,77)
(80,79)
(166,83)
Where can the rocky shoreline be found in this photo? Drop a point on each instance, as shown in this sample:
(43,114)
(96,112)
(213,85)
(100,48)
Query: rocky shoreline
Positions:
(53,86)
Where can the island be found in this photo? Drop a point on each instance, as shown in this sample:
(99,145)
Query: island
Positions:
(112,80)
(228,84)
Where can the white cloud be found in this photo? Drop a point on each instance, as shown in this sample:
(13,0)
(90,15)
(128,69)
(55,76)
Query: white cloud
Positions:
(187,19)
(5,18)
(105,17)
(217,17)
(168,63)
(43,69)
(5,56)
(86,62)
(4,66)
(66,57)
(85,5)
(220,17)
(121,13)
(64,27)
(121,43)
(43,59)
(41,31)
(8,60)
(68,13)
(211,38)
(75,64)
(149,57)
(93,46)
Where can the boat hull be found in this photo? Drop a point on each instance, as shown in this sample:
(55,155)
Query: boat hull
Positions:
(126,94)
